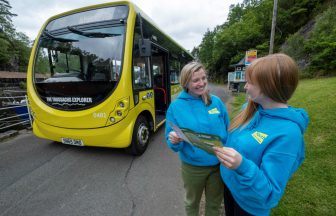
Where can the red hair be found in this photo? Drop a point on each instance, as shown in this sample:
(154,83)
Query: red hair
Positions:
(277,77)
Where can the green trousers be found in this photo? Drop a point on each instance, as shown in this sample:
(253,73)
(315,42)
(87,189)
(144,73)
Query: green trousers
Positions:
(197,179)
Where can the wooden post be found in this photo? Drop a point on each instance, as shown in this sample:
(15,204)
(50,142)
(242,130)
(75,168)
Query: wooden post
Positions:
(275,11)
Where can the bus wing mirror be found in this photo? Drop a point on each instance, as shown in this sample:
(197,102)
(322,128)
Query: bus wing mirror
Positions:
(145,47)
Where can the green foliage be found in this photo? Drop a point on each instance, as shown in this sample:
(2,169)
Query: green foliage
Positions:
(322,43)
(206,48)
(6,25)
(294,46)
(235,14)
(4,54)
(248,27)
(242,31)
(263,49)
(195,53)
(237,58)
(23,85)
(42,64)
(311,191)
(14,46)
(23,48)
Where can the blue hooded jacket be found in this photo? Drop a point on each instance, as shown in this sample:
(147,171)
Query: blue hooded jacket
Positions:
(190,112)
(272,149)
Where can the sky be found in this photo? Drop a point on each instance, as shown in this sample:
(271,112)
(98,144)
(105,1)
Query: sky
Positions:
(185,21)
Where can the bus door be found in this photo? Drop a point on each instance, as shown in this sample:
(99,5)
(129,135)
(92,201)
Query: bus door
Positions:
(160,76)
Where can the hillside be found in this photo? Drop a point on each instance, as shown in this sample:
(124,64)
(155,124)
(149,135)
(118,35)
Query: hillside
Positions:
(305,30)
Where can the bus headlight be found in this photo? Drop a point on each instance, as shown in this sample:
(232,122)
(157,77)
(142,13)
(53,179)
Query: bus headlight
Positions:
(119,112)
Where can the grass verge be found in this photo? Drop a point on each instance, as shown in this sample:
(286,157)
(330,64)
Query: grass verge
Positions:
(312,189)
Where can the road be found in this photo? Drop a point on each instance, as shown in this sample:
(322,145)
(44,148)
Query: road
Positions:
(40,177)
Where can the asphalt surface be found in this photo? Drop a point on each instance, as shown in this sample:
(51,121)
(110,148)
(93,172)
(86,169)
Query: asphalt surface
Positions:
(40,177)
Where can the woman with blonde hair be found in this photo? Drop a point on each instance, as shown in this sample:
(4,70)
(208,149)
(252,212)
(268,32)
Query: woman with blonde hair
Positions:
(197,110)
(265,144)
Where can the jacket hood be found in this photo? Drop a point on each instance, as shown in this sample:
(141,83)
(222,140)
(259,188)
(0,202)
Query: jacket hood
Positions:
(296,115)
(186,96)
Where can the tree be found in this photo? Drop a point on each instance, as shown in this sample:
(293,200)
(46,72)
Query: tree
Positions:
(235,14)
(205,50)
(321,46)
(14,46)
(6,32)
(248,26)
(23,49)
(195,53)
(6,26)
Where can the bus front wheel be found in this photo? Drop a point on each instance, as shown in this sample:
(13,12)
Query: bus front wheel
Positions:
(140,138)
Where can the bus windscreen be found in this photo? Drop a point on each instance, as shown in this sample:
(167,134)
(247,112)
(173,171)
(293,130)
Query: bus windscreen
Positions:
(81,63)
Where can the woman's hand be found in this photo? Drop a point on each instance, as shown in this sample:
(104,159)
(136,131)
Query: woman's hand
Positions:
(229,157)
(174,138)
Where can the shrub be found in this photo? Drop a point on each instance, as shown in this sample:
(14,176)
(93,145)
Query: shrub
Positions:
(321,45)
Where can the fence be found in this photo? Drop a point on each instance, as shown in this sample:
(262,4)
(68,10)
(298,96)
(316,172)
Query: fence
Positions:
(14,110)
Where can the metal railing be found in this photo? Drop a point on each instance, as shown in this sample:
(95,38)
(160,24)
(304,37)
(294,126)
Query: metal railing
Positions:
(14,112)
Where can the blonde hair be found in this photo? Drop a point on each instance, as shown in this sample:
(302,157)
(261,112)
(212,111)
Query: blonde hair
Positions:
(277,77)
(186,75)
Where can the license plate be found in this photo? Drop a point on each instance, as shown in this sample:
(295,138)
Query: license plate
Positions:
(69,141)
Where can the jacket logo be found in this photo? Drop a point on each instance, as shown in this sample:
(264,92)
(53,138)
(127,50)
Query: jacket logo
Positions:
(213,111)
(259,136)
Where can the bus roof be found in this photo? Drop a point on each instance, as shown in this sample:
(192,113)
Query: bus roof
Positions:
(143,14)
(113,3)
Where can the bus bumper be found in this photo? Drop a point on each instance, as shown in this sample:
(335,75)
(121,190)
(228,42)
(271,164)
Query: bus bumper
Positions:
(115,136)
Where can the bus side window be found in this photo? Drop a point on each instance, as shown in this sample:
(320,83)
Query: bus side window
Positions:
(141,76)
(141,73)
(174,72)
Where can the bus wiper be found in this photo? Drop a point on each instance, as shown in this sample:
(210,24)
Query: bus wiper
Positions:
(91,34)
(49,35)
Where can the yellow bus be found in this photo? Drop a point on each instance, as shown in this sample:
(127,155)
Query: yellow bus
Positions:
(108,76)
